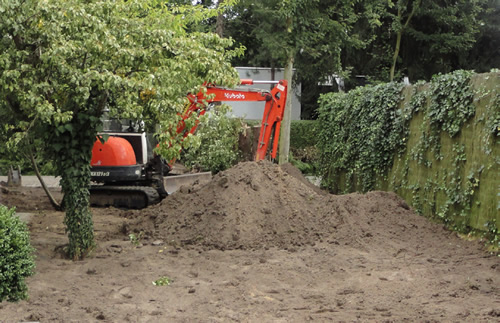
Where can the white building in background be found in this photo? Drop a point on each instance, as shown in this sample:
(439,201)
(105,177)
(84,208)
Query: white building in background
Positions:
(255,110)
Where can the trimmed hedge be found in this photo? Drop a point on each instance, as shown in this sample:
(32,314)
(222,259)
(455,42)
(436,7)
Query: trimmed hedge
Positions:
(436,144)
(16,256)
(303,134)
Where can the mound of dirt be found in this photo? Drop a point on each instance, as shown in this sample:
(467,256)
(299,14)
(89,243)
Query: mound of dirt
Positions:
(262,205)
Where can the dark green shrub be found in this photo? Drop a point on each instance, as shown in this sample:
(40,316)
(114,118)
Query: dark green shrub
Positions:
(303,140)
(303,134)
(16,256)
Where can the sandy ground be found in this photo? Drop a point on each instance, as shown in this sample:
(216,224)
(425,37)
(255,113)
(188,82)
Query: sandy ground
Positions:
(257,244)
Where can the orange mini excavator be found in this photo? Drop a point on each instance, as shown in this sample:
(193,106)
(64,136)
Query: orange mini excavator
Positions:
(128,174)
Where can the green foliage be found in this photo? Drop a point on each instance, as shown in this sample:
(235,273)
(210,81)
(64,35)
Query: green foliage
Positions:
(359,38)
(62,63)
(16,156)
(436,145)
(218,149)
(16,256)
(303,133)
(163,281)
(447,107)
(448,104)
(303,140)
(492,233)
(313,32)
(451,99)
(13,161)
(484,55)
(18,146)
(219,137)
(135,239)
(425,37)
(74,141)
(360,131)
(308,168)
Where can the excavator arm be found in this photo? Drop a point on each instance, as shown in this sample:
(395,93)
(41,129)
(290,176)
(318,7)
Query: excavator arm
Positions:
(273,110)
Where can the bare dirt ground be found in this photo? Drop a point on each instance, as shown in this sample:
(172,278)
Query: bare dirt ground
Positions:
(257,244)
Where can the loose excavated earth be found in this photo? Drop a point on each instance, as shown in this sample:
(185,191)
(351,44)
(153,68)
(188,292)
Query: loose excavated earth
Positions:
(261,205)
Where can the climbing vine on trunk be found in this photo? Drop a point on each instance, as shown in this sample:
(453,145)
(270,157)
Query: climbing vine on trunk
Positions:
(74,142)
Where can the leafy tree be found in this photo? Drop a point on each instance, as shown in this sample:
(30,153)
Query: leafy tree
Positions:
(485,54)
(401,22)
(210,23)
(361,38)
(62,63)
(314,30)
(316,33)
(419,38)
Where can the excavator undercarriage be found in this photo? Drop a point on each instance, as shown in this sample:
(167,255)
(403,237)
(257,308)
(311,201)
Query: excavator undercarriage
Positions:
(129,197)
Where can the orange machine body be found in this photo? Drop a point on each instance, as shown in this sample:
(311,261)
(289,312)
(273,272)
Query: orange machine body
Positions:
(115,151)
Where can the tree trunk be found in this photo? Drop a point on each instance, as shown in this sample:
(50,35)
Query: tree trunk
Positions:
(219,24)
(400,32)
(14,177)
(78,219)
(74,169)
(396,54)
(53,201)
(284,143)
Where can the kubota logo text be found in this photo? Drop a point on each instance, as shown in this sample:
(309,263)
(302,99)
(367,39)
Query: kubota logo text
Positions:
(233,96)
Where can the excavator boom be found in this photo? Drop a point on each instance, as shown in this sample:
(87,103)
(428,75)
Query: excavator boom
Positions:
(273,110)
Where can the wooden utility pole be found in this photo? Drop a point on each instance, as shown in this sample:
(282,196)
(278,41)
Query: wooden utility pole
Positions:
(284,150)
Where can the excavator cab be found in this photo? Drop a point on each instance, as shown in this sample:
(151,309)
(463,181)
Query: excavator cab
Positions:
(124,169)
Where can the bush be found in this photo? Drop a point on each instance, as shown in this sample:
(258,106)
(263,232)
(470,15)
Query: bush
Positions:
(303,134)
(219,143)
(16,256)
(303,140)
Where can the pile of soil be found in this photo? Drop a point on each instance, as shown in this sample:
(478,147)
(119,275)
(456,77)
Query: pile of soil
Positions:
(257,205)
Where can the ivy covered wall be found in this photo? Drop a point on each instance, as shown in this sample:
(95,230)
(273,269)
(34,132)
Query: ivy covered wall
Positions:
(436,144)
